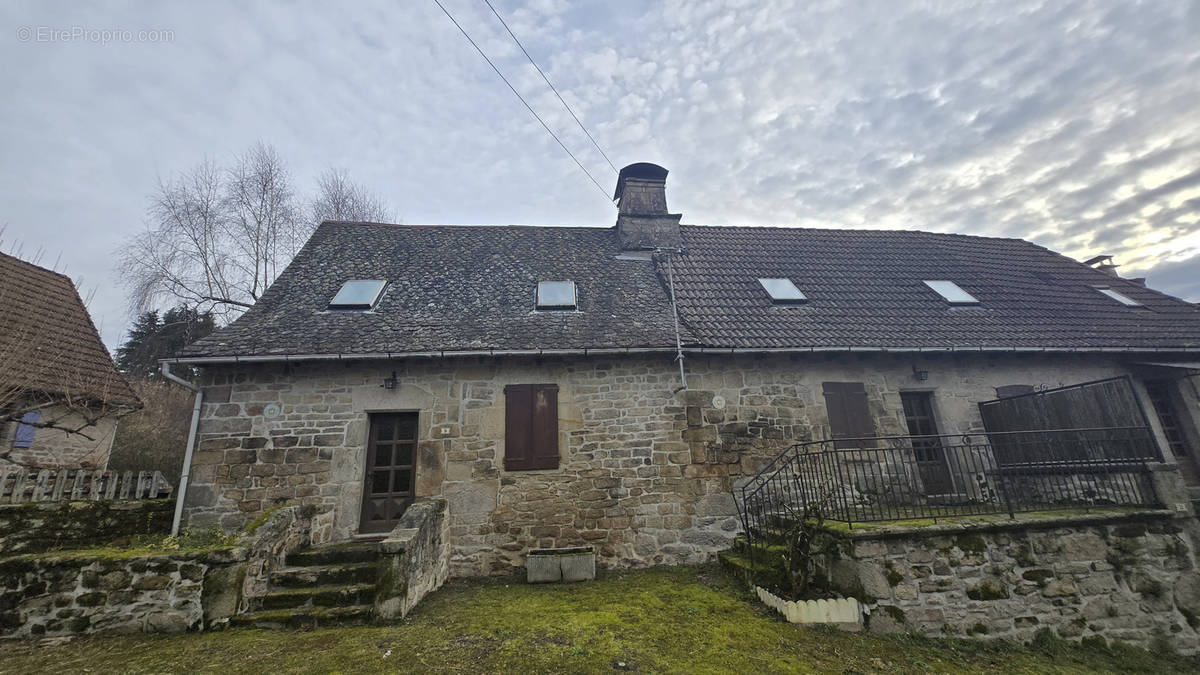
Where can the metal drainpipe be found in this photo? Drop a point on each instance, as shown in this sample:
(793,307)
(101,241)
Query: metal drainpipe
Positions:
(675,313)
(181,495)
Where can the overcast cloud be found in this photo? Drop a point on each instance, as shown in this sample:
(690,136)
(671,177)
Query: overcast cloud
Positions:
(1073,124)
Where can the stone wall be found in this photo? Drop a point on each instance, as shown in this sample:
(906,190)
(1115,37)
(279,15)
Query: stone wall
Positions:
(413,560)
(645,475)
(76,592)
(43,526)
(1131,578)
(56,449)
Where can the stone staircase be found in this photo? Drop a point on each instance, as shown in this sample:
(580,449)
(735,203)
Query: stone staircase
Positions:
(763,568)
(332,584)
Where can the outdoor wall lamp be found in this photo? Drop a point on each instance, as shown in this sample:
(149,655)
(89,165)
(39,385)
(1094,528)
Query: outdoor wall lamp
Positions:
(921,375)
(389,382)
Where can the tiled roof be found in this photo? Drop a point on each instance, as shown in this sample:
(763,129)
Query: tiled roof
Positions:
(472,289)
(455,289)
(47,340)
(865,290)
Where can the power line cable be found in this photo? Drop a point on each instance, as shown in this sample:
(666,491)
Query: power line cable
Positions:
(551,85)
(527,106)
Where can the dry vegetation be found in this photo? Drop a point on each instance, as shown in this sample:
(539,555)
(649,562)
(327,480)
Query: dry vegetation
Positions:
(153,438)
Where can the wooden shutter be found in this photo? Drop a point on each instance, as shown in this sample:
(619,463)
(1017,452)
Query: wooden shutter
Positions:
(530,426)
(1010,390)
(26,430)
(849,415)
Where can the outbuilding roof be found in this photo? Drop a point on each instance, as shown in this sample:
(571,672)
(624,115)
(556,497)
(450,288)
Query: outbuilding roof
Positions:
(48,343)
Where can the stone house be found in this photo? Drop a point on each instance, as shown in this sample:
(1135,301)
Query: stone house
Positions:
(60,393)
(610,386)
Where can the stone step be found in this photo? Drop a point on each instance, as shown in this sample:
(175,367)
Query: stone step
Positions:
(752,573)
(318,596)
(305,617)
(324,575)
(335,554)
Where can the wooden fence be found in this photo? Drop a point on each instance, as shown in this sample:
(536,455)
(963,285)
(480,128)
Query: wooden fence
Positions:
(20,485)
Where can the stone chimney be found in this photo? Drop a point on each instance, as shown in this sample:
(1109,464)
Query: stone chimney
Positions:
(1104,263)
(642,218)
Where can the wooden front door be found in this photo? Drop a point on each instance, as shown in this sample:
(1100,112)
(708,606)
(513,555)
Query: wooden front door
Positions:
(391,470)
(926,445)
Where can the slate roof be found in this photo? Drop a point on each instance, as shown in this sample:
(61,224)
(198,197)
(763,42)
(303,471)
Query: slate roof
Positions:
(865,290)
(456,288)
(48,342)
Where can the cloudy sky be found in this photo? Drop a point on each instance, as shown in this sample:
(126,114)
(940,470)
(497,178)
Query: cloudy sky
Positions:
(1073,124)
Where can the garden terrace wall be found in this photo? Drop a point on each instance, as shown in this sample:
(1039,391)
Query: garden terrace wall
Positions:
(645,475)
(1130,577)
(86,591)
(44,526)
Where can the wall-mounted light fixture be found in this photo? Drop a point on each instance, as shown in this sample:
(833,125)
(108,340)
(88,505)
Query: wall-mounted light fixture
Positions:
(389,382)
(921,375)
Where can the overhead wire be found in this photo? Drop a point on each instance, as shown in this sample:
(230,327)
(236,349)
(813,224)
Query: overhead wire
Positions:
(551,85)
(526,103)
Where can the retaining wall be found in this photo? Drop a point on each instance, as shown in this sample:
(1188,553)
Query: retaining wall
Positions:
(1128,577)
(43,526)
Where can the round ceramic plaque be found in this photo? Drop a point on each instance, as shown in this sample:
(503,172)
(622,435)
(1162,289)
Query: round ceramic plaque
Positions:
(718,402)
(271,410)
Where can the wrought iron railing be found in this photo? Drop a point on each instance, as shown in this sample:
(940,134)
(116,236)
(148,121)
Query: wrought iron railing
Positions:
(929,477)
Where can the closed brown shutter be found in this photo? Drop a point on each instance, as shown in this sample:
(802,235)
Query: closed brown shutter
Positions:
(849,415)
(530,426)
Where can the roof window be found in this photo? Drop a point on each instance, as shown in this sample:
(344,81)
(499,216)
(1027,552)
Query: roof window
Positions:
(1118,296)
(556,295)
(782,291)
(952,293)
(358,294)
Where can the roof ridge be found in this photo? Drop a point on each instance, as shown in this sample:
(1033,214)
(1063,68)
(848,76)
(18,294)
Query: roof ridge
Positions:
(780,228)
(61,275)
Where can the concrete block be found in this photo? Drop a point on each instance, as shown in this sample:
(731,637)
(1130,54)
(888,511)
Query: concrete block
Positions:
(560,564)
(542,569)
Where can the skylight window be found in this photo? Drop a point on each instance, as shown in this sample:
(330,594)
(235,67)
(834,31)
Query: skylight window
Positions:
(556,295)
(358,294)
(782,291)
(1119,297)
(952,293)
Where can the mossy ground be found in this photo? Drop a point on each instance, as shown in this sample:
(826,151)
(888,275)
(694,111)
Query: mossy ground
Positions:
(684,620)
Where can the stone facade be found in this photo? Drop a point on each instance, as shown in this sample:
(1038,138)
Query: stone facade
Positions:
(645,474)
(1127,578)
(56,449)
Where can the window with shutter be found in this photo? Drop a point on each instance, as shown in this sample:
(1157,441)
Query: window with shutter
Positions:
(849,415)
(25,430)
(530,427)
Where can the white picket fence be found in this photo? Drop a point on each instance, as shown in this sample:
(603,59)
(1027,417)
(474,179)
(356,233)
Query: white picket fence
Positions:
(19,485)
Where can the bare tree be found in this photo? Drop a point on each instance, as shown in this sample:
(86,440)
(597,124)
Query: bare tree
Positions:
(261,217)
(184,252)
(339,198)
(217,238)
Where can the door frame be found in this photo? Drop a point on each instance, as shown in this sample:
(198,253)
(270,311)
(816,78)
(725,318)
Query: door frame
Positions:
(941,464)
(368,466)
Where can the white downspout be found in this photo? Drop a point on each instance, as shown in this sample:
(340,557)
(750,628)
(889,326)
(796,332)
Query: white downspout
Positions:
(181,495)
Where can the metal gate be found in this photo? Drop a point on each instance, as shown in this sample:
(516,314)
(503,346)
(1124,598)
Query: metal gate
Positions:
(1106,414)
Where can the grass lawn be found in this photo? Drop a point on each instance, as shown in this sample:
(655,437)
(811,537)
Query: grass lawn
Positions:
(685,620)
